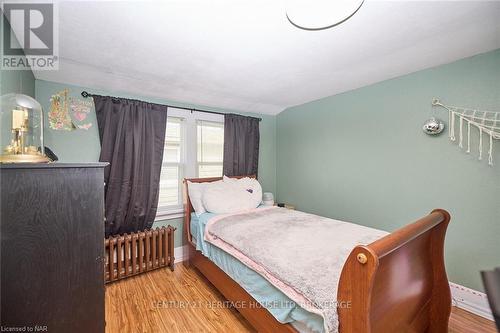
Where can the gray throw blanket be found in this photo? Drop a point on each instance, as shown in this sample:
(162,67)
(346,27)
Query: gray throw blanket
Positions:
(301,254)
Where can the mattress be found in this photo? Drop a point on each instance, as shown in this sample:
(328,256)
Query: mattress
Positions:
(270,297)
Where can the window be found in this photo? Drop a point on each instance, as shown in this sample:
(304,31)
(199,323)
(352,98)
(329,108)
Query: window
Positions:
(210,148)
(194,145)
(172,169)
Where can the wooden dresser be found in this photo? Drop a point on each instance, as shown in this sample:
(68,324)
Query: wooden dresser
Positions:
(52,233)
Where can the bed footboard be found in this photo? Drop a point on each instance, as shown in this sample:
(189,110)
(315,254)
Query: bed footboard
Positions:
(398,283)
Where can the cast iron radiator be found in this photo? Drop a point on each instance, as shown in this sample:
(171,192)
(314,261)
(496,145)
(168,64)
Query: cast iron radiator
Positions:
(139,252)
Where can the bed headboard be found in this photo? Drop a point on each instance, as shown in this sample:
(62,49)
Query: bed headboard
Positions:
(188,207)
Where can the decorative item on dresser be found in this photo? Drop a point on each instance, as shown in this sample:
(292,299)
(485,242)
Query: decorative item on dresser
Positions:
(138,252)
(22,116)
(52,225)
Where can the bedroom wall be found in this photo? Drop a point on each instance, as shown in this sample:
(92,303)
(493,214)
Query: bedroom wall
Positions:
(361,156)
(84,146)
(17,81)
(14,81)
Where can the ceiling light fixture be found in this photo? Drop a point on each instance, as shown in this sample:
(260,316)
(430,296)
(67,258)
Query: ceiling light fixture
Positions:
(320,14)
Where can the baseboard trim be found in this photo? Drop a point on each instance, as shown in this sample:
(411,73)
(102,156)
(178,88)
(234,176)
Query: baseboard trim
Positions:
(471,300)
(180,253)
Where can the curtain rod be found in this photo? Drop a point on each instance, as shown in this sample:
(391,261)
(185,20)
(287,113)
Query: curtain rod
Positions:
(86,94)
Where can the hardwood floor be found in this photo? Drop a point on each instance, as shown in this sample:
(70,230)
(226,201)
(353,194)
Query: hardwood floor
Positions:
(165,301)
(462,321)
(184,301)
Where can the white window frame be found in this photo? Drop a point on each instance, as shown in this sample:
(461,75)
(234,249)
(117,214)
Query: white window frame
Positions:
(189,156)
(166,211)
(197,166)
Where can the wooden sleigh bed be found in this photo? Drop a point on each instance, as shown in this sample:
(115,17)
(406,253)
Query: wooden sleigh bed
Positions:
(395,284)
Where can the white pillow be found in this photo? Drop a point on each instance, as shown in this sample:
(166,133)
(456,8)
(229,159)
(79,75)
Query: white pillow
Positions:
(195,191)
(227,179)
(232,196)
(242,181)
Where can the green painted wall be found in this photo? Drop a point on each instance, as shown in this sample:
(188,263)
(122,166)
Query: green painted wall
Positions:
(70,146)
(361,156)
(14,81)
(17,81)
(84,146)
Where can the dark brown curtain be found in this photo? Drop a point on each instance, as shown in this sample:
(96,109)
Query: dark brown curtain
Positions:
(132,137)
(241,145)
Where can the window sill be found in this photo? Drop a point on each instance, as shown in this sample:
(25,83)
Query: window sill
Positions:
(170,215)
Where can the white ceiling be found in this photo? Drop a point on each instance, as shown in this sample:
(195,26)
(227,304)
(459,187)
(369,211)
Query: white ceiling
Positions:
(246,56)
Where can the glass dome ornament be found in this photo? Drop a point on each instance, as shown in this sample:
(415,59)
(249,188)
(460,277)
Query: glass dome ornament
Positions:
(21,130)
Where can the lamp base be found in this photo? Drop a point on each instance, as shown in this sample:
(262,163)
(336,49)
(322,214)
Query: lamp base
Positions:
(24,158)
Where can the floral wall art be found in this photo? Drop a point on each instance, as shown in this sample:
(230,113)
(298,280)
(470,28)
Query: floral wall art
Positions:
(69,113)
